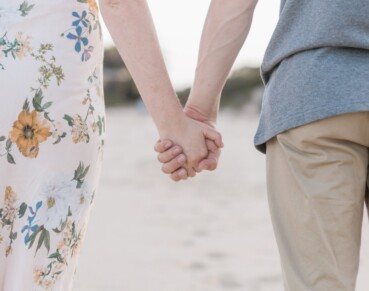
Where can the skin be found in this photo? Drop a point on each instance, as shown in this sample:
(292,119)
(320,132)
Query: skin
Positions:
(169,154)
(225,31)
(131,27)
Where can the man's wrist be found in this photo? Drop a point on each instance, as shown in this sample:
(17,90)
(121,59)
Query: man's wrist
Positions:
(195,112)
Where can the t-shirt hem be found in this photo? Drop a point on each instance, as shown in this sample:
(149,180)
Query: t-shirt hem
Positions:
(260,138)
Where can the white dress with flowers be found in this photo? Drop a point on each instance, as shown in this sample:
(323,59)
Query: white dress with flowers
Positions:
(52,130)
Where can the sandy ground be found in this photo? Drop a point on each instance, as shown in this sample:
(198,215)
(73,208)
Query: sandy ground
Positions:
(212,233)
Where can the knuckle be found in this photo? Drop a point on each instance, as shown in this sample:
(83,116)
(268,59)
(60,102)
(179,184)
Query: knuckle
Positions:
(158,145)
(191,174)
(165,169)
(203,153)
(160,158)
(172,154)
(174,177)
(212,167)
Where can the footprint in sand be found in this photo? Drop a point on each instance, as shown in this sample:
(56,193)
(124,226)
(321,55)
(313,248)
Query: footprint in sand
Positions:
(217,255)
(229,282)
(197,266)
(200,232)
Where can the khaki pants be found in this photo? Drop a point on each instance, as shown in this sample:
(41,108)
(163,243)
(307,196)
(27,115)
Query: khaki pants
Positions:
(316,182)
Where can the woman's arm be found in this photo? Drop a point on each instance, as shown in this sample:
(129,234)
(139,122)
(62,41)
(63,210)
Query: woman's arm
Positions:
(131,27)
(225,31)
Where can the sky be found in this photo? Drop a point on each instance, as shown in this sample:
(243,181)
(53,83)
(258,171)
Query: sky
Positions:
(179,25)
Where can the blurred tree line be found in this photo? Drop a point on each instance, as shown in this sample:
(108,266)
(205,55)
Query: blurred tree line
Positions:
(242,86)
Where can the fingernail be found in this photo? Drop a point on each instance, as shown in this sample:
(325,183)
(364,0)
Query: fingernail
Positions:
(167,144)
(176,151)
(182,173)
(181,159)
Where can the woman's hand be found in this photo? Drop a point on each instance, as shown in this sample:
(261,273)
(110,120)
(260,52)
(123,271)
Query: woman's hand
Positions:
(195,140)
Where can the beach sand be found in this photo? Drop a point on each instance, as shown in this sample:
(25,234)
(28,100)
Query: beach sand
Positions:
(211,233)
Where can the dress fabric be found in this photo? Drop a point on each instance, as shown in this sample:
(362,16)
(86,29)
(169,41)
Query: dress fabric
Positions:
(52,131)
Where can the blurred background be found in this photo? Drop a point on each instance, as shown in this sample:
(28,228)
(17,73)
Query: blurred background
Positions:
(211,233)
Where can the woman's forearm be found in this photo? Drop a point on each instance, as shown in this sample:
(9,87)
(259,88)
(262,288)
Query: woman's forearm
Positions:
(225,31)
(131,27)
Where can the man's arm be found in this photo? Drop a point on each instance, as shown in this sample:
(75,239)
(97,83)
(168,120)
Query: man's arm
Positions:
(225,31)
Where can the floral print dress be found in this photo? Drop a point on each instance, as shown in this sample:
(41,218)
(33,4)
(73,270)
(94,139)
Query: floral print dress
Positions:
(52,130)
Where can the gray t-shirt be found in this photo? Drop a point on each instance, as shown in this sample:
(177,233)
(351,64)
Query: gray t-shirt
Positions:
(316,65)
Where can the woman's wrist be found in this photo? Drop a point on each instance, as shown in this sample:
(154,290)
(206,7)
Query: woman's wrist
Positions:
(170,123)
(164,107)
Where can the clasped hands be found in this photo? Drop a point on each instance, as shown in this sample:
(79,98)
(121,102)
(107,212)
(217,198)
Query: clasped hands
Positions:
(189,145)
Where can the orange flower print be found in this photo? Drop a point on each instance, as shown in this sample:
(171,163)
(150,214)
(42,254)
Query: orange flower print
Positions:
(93,5)
(28,131)
(23,45)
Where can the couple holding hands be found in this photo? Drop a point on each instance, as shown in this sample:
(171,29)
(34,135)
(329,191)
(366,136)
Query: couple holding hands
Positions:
(313,127)
(189,142)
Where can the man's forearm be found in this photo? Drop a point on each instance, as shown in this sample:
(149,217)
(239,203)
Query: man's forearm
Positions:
(131,27)
(225,30)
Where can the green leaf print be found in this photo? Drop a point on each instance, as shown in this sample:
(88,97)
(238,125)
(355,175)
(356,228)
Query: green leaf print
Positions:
(47,105)
(13,235)
(10,158)
(60,137)
(32,238)
(69,119)
(55,255)
(22,210)
(44,238)
(62,227)
(48,68)
(26,105)
(37,100)
(25,8)
(8,144)
(7,148)
(99,124)
(46,115)
(80,173)
(41,239)
(47,241)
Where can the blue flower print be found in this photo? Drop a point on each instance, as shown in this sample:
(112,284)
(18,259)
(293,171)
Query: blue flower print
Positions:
(31,228)
(81,18)
(84,23)
(78,36)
